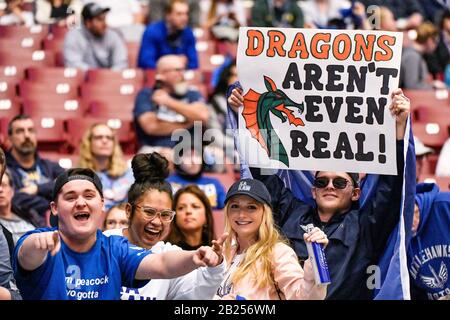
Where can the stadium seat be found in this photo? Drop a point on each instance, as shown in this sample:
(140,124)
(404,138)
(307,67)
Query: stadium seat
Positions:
(37,32)
(55,45)
(124,93)
(50,133)
(65,160)
(57,32)
(104,110)
(29,90)
(58,108)
(7,90)
(427,98)
(108,77)
(442,182)
(72,76)
(9,108)
(436,114)
(133,53)
(431,134)
(149,78)
(12,74)
(25,58)
(29,43)
(219,222)
(210,62)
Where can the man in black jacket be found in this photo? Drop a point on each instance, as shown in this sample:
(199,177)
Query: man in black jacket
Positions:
(357,235)
(32,176)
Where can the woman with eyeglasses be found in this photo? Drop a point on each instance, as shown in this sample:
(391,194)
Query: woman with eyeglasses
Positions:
(357,235)
(193,226)
(100,151)
(150,214)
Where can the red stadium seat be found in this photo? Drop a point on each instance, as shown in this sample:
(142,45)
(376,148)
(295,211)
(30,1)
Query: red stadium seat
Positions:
(9,108)
(58,32)
(71,76)
(210,62)
(219,222)
(149,78)
(112,93)
(431,134)
(11,74)
(133,53)
(434,114)
(65,160)
(442,182)
(50,133)
(7,90)
(55,45)
(102,110)
(58,108)
(116,78)
(29,43)
(35,91)
(37,32)
(427,98)
(25,58)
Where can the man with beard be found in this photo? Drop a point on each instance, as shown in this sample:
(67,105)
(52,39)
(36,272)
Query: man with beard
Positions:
(32,176)
(169,36)
(94,45)
(168,106)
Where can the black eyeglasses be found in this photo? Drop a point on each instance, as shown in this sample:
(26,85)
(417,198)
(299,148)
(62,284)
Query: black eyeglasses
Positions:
(165,215)
(338,183)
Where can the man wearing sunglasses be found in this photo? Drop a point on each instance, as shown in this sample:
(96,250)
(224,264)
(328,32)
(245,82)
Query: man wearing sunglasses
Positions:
(357,235)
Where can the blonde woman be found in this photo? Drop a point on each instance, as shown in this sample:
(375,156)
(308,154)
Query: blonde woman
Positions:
(260,263)
(101,152)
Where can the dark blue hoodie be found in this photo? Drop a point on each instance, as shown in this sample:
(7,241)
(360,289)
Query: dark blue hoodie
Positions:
(429,249)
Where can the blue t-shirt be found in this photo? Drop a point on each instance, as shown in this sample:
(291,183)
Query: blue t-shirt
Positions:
(97,274)
(210,186)
(144,103)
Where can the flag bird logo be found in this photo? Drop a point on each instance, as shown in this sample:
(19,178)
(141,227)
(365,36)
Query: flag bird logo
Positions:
(438,280)
(256,113)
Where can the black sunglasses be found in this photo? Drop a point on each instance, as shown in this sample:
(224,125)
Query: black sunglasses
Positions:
(338,183)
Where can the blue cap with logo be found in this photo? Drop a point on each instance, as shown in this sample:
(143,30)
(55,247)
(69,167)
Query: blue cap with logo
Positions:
(250,187)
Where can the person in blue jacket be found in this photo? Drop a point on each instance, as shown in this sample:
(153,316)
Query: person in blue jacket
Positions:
(169,36)
(357,236)
(429,249)
(32,175)
(77,262)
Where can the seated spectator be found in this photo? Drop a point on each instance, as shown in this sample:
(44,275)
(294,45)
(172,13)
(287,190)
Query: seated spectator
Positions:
(168,106)
(189,168)
(169,36)
(17,221)
(157,11)
(126,16)
(224,19)
(408,14)
(116,217)
(57,11)
(8,289)
(94,45)
(32,176)
(277,14)
(413,70)
(443,164)
(332,14)
(438,60)
(13,14)
(193,226)
(223,140)
(101,152)
(430,229)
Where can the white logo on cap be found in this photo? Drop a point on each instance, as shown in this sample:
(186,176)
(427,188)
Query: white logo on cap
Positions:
(243,186)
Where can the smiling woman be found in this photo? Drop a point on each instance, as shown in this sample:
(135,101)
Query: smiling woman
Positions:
(150,213)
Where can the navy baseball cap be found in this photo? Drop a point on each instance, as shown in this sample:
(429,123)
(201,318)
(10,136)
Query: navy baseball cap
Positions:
(76,174)
(250,187)
(92,10)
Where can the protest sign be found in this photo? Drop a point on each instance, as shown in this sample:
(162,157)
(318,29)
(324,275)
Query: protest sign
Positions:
(318,99)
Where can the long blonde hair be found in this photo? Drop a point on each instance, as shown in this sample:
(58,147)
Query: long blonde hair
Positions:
(260,252)
(117,165)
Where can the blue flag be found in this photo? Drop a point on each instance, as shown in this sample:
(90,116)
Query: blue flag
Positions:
(394,284)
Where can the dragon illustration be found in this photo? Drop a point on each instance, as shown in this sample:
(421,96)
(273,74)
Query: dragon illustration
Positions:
(256,113)
(437,280)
